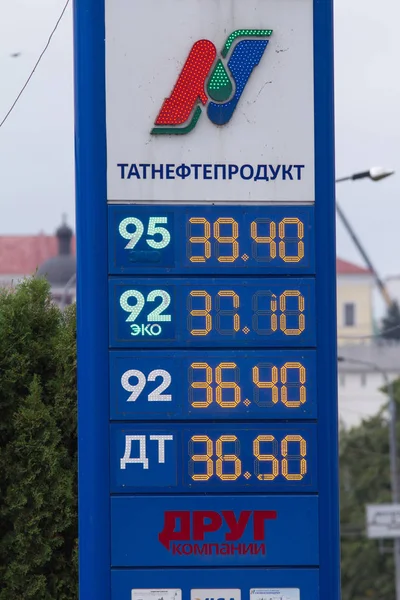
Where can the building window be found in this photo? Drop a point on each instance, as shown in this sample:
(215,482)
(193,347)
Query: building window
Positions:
(349,314)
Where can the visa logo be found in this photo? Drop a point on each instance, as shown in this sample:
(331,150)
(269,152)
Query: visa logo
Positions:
(215,594)
(214,598)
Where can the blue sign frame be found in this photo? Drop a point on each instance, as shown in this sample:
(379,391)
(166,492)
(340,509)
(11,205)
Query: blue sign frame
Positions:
(93,404)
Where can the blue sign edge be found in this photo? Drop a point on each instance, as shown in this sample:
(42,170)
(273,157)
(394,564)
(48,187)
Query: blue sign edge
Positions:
(91,227)
(325,244)
(92,300)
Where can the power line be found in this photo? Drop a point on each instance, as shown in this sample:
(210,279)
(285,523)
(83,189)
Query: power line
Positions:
(36,65)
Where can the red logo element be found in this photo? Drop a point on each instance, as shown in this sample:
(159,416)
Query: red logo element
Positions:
(190,86)
(193,526)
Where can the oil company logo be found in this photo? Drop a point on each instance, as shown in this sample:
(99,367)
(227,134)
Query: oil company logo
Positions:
(202,532)
(213,81)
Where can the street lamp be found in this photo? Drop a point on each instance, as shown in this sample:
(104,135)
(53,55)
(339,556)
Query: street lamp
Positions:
(394,477)
(71,281)
(374,174)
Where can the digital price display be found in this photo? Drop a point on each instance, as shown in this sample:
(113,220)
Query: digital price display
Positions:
(196,239)
(208,312)
(152,384)
(214,458)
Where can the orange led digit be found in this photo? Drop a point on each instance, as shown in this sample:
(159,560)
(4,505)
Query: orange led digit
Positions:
(226,458)
(284,239)
(302,389)
(265,298)
(206,458)
(204,239)
(226,240)
(202,385)
(205,312)
(227,312)
(227,385)
(269,385)
(298,439)
(271,458)
(298,313)
(263,239)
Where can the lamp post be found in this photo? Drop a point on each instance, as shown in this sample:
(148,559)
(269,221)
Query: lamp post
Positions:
(71,281)
(394,476)
(374,174)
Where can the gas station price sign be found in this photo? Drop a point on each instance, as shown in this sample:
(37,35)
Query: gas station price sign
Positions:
(212,384)
(203,239)
(225,312)
(213,458)
(206,300)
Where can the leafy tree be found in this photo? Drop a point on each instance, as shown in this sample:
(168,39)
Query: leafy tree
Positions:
(37,446)
(391,323)
(367,565)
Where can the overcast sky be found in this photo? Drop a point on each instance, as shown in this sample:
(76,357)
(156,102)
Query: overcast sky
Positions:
(36,143)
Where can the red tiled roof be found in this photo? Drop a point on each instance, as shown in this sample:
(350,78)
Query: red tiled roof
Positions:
(346,268)
(22,254)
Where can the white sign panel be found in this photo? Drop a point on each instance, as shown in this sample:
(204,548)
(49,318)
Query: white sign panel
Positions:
(148,594)
(383,520)
(215,594)
(210,100)
(275,594)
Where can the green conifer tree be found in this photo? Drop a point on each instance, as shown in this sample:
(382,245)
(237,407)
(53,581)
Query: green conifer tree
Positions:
(391,323)
(37,446)
(367,564)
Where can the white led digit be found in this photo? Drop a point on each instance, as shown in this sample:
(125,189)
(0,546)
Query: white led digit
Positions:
(134,236)
(135,389)
(156,315)
(153,230)
(133,310)
(157,395)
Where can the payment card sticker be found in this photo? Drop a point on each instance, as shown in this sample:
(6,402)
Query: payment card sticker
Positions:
(275,594)
(145,594)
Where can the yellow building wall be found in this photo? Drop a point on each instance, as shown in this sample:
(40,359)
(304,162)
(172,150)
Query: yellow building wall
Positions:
(356,290)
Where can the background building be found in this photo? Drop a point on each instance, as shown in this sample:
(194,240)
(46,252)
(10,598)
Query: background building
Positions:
(393,287)
(354,302)
(50,256)
(362,378)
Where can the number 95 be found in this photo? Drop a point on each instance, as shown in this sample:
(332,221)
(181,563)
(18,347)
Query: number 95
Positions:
(153,229)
